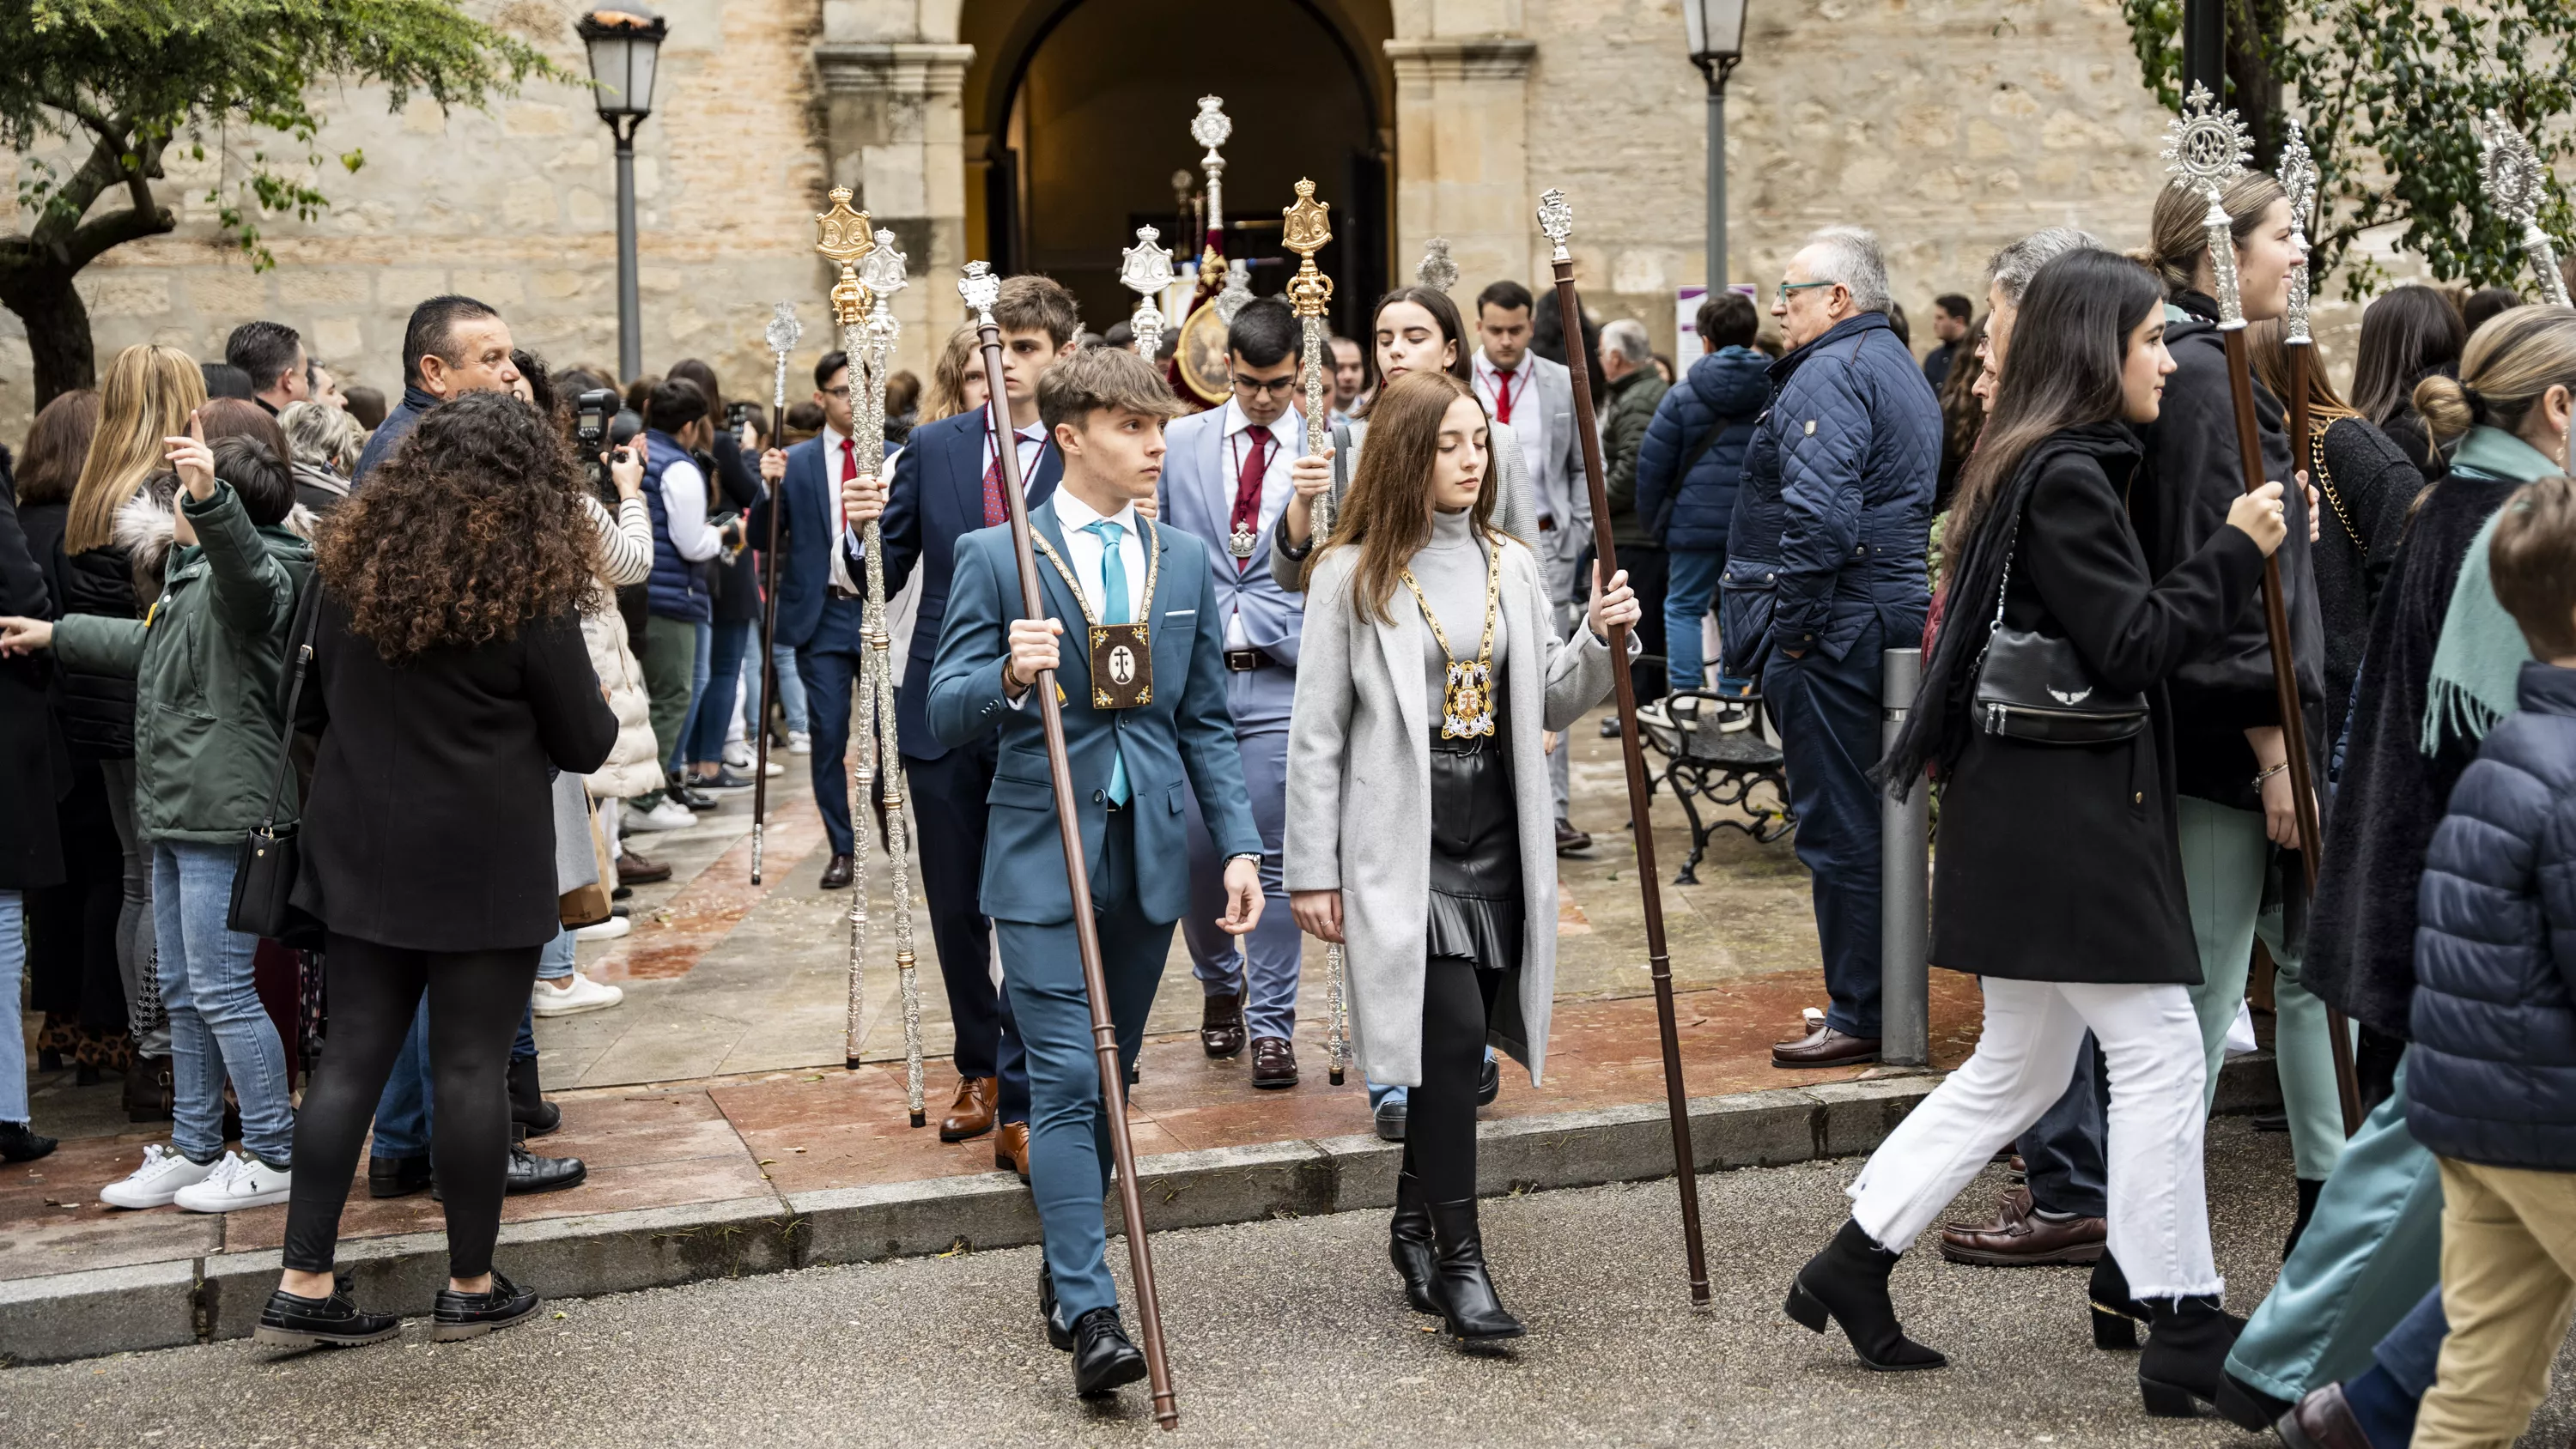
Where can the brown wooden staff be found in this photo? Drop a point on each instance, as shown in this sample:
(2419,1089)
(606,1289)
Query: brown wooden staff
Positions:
(1556,219)
(982,289)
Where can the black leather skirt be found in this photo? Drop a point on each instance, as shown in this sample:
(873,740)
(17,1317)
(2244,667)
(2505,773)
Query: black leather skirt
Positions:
(1475,854)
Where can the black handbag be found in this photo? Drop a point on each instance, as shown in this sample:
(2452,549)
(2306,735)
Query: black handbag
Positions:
(2033,688)
(264,875)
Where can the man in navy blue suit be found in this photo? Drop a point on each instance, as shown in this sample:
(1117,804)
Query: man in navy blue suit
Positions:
(1146,732)
(947,484)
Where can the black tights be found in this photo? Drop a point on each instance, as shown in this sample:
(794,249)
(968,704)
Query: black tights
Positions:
(1440,1115)
(475,998)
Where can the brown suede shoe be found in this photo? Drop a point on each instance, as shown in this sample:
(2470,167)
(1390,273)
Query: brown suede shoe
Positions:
(1011,1148)
(1274,1062)
(2021,1238)
(971,1115)
(633,869)
(1221,1026)
(1825,1047)
(2322,1420)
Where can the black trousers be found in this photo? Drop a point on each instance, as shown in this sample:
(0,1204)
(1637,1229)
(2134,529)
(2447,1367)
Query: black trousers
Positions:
(1440,1116)
(1648,570)
(948,800)
(475,1000)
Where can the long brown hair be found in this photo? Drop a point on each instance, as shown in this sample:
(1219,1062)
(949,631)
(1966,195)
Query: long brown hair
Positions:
(146,396)
(947,395)
(2326,407)
(57,444)
(2176,237)
(1387,514)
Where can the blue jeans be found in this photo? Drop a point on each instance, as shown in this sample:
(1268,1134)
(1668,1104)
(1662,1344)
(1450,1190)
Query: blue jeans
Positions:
(13,1040)
(1828,711)
(217,1026)
(1690,591)
(402,1113)
(698,666)
(2063,1149)
(791,688)
(712,714)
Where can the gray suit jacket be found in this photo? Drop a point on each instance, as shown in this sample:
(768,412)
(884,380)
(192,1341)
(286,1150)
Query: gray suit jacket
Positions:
(1558,482)
(1196,496)
(1514,513)
(1359,799)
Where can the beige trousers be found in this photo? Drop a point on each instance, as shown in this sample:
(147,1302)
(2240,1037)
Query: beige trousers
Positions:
(2508,1287)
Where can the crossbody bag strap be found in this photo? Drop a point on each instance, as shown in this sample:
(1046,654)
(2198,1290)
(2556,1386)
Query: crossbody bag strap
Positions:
(300,642)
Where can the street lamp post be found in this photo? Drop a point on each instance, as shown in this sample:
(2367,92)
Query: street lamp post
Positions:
(624,39)
(1716,29)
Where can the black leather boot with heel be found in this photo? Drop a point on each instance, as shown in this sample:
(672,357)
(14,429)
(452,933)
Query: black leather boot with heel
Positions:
(1847,1284)
(2188,1340)
(2116,1315)
(1409,1243)
(1462,1293)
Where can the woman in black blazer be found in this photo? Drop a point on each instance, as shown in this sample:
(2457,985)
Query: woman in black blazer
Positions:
(449,681)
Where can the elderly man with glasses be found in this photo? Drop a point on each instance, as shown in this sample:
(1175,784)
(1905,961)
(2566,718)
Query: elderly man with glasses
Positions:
(1825,569)
(1226,479)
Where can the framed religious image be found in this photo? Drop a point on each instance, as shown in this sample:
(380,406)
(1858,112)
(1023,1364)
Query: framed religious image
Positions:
(1202,355)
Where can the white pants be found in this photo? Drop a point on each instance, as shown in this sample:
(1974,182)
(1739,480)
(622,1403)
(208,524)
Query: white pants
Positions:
(2150,1041)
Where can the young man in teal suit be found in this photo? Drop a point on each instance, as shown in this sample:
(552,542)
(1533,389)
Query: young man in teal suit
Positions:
(1148,724)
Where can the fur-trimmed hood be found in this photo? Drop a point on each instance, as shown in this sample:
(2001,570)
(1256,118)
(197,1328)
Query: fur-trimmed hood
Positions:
(145,531)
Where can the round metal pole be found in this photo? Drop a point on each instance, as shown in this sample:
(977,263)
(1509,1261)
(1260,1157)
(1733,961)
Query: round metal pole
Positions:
(630,312)
(1905,885)
(1716,182)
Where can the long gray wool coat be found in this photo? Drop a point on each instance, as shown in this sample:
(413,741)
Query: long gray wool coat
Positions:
(1359,798)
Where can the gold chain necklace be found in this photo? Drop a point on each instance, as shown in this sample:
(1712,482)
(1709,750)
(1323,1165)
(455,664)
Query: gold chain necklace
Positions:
(2325,485)
(1467,702)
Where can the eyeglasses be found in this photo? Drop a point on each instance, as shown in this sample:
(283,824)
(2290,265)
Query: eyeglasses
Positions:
(1265,385)
(1787,287)
(842,391)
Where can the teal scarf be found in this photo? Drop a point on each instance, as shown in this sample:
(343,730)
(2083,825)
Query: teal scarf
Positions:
(2481,653)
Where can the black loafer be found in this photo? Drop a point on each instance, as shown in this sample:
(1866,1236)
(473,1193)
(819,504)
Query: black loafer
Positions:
(396,1176)
(471,1315)
(531,1173)
(1103,1359)
(290,1321)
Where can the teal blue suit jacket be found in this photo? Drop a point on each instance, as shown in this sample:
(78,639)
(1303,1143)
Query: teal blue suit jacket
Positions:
(1183,740)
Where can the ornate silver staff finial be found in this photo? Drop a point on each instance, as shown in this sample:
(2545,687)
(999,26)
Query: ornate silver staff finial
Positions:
(882,273)
(2515,183)
(1238,291)
(1210,128)
(784,330)
(1146,269)
(1556,219)
(980,289)
(2298,177)
(2207,148)
(1437,270)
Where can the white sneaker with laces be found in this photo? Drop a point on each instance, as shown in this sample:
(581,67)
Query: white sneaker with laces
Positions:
(607,930)
(776,769)
(158,1181)
(576,993)
(669,815)
(799,742)
(238,1181)
(738,755)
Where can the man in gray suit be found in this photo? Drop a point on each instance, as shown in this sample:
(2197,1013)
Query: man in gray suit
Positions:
(1535,399)
(1226,480)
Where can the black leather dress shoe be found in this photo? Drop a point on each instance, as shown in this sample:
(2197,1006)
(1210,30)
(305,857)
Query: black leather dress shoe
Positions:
(836,874)
(291,1321)
(1274,1062)
(1103,1359)
(1059,1335)
(471,1315)
(531,1173)
(2322,1420)
(396,1176)
(1221,1026)
(1390,1117)
(1570,841)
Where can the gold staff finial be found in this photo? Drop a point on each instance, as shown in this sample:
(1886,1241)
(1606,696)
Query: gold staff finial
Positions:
(1304,231)
(841,235)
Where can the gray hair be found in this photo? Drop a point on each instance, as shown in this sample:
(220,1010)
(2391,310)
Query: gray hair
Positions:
(322,435)
(1627,337)
(2012,268)
(1850,255)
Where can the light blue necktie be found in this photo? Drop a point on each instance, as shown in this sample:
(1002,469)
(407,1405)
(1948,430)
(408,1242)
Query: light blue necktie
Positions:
(1113,610)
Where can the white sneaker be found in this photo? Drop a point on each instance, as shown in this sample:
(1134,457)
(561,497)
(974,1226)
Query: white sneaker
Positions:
(776,769)
(738,755)
(238,1181)
(577,994)
(799,742)
(669,815)
(607,930)
(158,1181)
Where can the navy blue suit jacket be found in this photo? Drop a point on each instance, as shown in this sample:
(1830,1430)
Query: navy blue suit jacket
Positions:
(807,532)
(937,499)
(1183,740)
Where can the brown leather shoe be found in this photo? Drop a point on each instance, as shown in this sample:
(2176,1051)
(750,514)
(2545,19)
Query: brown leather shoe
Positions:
(1825,1047)
(1011,1148)
(633,869)
(971,1115)
(2322,1420)
(1569,840)
(1274,1062)
(2021,1238)
(1221,1026)
(836,876)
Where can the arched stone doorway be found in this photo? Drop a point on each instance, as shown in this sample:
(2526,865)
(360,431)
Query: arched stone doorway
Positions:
(1077,115)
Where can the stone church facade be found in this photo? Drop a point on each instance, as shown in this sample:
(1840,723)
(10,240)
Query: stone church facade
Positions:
(1037,131)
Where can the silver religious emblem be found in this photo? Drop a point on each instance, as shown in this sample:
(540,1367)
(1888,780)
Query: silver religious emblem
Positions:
(2298,177)
(2515,182)
(882,270)
(1210,127)
(1241,543)
(980,289)
(1556,219)
(1238,290)
(1146,269)
(784,329)
(1437,270)
(2206,148)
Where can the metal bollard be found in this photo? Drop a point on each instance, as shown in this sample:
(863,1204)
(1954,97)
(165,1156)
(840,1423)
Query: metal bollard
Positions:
(1905,885)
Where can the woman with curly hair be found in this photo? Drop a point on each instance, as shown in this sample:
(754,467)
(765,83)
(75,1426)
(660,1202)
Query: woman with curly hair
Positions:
(449,679)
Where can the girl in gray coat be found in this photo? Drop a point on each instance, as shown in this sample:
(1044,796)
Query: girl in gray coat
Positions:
(1420,832)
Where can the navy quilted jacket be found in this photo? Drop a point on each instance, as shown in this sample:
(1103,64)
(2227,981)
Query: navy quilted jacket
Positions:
(1724,390)
(1836,500)
(2492,1075)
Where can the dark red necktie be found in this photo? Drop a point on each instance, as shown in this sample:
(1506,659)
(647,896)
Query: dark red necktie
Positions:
(849,460)
(994,512)
(1502,394)
(1246,523)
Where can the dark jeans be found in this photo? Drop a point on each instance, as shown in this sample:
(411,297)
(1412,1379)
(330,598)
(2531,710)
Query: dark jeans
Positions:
(475,999)
(1440,1126)
(2063,1149)
(712,717)
(828,675)
(1828,712)
(1648,568)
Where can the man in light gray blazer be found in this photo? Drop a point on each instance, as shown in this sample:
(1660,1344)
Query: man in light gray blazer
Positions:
(1226,480)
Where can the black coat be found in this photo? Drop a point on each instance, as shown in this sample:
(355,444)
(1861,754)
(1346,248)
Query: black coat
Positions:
(35,768)
(2060,862)
(97,709)
(431,824)
(738,488)
(2369,488)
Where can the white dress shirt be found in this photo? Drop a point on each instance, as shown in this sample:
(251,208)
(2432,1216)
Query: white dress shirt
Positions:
(1083,554)
(1287,443)
(684,512)
(1528,420)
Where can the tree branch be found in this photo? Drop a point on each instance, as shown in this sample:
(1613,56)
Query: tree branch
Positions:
(116,228)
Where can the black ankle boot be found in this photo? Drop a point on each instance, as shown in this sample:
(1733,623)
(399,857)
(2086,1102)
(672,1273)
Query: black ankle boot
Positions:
(1408,1243)
(2186,1359)
(2308,1190)
(2116,1315)
(20,1143)
(1847,1283)
(528,1106)
(1460,1290)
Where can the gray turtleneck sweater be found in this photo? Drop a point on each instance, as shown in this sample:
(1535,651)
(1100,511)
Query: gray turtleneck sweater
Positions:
(1451,570)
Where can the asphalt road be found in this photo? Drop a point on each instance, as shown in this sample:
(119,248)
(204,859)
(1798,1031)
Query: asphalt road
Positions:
(1285,1332)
